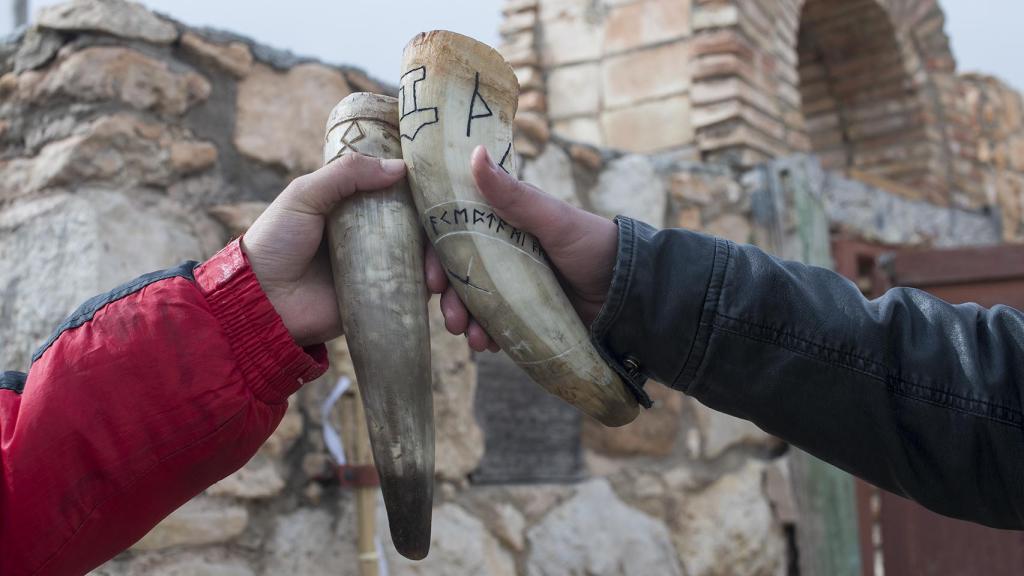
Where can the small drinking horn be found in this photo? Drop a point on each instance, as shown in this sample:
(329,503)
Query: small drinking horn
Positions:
(457,93)
(376,244)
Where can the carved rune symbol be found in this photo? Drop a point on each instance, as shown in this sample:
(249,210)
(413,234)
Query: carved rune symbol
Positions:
(354,133)
(413,118)
(474,111)
(505,158)
(465,279)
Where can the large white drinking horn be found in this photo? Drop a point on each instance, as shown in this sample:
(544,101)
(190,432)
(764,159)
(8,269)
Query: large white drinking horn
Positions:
(457,93)
(376,245)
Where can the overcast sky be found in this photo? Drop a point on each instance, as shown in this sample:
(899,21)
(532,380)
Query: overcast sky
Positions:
(370,34)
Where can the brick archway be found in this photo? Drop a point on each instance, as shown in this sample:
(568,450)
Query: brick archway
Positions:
(862,107)
(753,65)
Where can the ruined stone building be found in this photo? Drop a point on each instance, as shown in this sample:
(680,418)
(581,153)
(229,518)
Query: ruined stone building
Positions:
(130,142)
(868,86)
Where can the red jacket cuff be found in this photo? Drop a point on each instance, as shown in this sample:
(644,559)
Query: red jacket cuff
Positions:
(272,363)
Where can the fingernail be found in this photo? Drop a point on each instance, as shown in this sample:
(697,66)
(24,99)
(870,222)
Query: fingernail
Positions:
(487,158)
(393,166)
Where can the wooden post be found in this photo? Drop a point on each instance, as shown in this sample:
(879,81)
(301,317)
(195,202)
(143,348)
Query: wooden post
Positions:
(791,216)
(357,447)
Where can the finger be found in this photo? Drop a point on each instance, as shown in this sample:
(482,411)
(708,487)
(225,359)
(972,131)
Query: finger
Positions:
(525,206)
(318,192)
(436,279)
(493,347)
(477,337)
(456,317)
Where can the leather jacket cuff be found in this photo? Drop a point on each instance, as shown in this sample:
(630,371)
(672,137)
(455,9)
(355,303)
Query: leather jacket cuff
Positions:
(655,322)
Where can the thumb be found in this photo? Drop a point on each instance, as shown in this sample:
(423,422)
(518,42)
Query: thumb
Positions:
(318,192)
(524,206)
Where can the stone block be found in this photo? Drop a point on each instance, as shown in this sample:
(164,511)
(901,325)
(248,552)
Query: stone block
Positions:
(524,40)
(533,126)
(92,240)
(524,147)
(645,75)
(259,478)
(313,542)
(190,156)
(518,22)
(588,156)
(233,57)
(118,151)
(555,9)
(733,227)
(735,110)
(653,434)
(237,218)
(116,17)
(102,73)
(691,188)
(725,41)
(753,146)
(594,532)
(281,115)
(645,23)
(728,528)
(208,561)
(650,126)
(689,218)
(585,130)
(507,523)
(629,186)
(713,16)
(719,431)
(460,545)
(200,521)
(37,48)
(574,90)
(570,39)
(552,173)
(513,6)
(530,78)
(778,488)
(1015,146)
(532,101)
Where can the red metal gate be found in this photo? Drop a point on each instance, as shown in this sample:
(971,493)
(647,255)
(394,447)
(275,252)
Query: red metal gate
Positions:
(898,537)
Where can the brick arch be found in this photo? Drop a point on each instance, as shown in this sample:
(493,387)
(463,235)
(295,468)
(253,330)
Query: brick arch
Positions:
(864,88)
(747,88)
(861,107)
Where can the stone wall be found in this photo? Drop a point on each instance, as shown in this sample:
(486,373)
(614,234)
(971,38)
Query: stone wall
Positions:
(129,142)
(870,86)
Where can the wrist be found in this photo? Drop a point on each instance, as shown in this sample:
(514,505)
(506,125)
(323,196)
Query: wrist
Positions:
(603,244)
(273,364)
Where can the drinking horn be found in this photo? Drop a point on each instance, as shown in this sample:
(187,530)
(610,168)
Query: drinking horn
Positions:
(457,93)
(376,245)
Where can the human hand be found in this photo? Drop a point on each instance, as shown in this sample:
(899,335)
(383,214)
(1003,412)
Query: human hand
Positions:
(582,247)
(285,247)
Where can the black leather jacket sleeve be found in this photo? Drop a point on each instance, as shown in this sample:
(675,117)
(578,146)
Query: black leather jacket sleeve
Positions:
(913,394)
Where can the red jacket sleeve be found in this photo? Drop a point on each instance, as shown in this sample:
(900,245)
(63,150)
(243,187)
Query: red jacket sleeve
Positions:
(143,398)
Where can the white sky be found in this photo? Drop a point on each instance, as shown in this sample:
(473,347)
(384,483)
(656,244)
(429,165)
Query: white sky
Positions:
(370,34)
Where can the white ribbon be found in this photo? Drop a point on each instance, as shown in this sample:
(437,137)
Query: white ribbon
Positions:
(332,439)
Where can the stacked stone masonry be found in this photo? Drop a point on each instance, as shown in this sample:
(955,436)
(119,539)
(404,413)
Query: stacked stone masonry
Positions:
(870,86)
(129,142)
